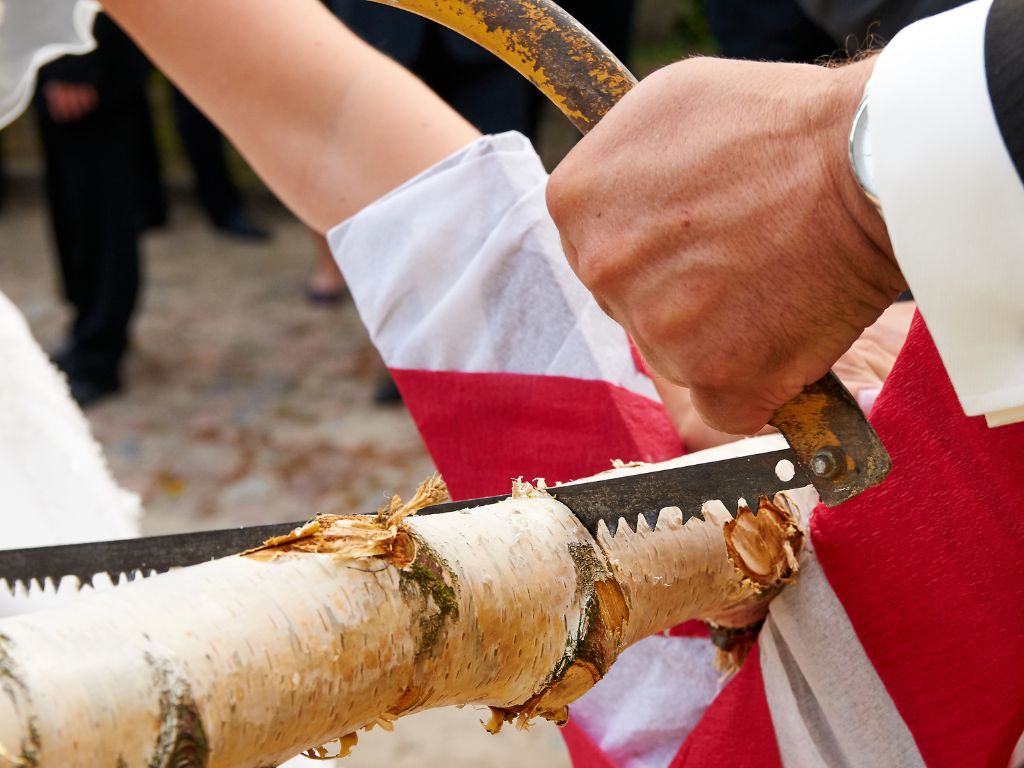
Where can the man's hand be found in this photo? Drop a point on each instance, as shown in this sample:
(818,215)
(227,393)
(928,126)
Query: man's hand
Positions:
(714,215)
(69,102)
(863,369)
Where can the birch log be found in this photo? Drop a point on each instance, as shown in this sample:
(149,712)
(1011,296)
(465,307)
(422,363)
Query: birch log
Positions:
(357,620)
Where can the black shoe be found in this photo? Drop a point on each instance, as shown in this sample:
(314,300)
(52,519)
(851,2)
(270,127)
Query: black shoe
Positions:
(387,392)
(61,358)
(153,218)
(238,224)
(87,392)
(319,297)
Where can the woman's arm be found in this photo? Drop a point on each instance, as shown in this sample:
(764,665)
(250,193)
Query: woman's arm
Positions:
(329,123)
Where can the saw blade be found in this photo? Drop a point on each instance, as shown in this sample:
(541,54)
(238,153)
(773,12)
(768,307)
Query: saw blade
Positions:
(610,502)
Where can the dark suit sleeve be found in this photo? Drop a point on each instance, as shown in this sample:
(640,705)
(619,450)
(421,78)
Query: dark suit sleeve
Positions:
(116,67)
(881,18)
(82,68)
(1004,70)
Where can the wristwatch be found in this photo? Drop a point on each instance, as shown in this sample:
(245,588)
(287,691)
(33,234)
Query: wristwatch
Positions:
(860,153)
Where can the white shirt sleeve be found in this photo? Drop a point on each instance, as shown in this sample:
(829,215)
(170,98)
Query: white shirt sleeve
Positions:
(461,269)
(954,204)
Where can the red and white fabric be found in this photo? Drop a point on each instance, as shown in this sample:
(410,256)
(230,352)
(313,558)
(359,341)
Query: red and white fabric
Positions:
(898,646)
(510,369)
(506,363)
(900,643)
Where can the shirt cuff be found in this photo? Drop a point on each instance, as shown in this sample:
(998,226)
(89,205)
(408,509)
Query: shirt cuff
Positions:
(461,269)
(954,204)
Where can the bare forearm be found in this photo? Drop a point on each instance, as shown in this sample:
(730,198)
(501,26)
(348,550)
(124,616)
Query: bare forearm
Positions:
(327,122)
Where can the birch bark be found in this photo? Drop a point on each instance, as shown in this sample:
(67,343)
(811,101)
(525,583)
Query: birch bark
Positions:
(360,619)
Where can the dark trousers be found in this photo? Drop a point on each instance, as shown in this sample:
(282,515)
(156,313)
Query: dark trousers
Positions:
(3,177)
(489,94)
(205,148)
(94,190)
(769,30)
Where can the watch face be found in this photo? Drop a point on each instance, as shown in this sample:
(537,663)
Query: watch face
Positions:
(860,152)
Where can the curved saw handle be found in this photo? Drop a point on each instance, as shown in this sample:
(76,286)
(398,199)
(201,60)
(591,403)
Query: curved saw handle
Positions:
(826,428)
(544,44)
(833,440)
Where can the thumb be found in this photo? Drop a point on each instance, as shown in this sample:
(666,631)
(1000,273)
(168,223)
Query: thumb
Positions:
(738,412)
(570,254)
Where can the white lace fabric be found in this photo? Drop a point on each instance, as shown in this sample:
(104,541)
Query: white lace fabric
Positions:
(34,33)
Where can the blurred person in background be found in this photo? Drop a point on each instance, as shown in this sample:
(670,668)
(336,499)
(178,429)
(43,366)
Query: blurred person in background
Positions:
(481,88)
(766,30)
(804,31)
(3,177)
(215,187)
(484,90)
(89,111)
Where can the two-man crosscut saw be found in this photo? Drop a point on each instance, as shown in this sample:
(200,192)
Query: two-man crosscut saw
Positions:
(831,444)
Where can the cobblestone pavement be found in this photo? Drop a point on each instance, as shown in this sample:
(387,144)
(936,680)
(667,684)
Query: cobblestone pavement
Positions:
(246,405)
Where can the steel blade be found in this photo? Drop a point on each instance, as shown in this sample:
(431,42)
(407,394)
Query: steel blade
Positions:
(644,495)
(647,493)
(620,498)
(131,556)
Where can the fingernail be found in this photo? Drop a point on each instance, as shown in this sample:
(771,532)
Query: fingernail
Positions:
(866,398)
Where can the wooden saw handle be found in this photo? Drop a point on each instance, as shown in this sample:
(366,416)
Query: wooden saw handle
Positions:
(835,444)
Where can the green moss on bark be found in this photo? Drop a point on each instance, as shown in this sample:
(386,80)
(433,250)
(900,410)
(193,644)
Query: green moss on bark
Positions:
(181,740)
(14,688)
(426,575)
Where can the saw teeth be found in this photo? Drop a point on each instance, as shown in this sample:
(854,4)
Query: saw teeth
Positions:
(650,519)
(648,524)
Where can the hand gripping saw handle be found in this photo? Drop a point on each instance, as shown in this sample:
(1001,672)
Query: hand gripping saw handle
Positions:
(835,444)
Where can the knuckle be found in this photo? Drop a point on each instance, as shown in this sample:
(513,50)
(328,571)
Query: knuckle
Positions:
(564,193)
(556,195)
(601,270)
(729,410)
(716,375)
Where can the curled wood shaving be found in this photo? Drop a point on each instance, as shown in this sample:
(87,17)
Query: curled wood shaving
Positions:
(732,646)
(431,491)
(385,721)
(523,716)
(311,528)
(317,753)
(764,547)
(498,718)
(524,490)
(359,536)
(345,745)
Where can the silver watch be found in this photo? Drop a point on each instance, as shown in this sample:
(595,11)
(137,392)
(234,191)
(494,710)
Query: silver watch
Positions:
(860,153)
